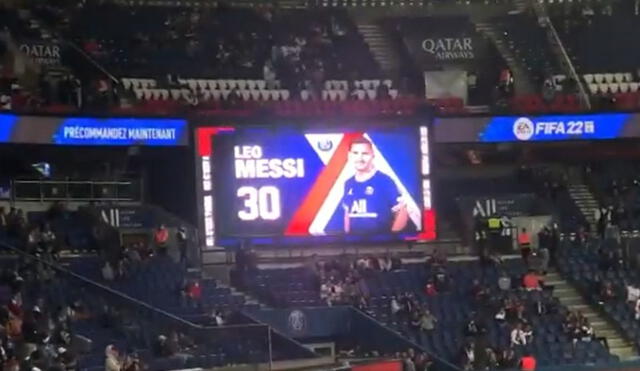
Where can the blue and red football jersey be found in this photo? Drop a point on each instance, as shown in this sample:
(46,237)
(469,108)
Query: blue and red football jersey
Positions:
(368,204)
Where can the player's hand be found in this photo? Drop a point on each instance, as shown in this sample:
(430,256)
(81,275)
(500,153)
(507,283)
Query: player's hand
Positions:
(402,204)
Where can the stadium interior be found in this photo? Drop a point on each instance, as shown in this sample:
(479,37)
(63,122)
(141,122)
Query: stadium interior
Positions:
(367,185)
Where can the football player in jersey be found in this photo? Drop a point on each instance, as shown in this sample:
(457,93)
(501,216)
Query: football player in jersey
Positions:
(372,201)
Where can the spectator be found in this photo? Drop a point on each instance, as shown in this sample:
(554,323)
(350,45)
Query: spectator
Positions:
(161,238)
(518,336)
(382,92)
(3,222)
(439,257)
(234,99)
(607,294)
(527,332)
(521,312)
(528,362)
(219,319)
(132,363)
(408,363)
(407,303)
(500,316)
(468,357)
(164,347)
(416,320)
(603,217)
(385,264)
(395,306)
(422,362)
(269,75)
(478,291)
(531,281)
(193,293)
(569,324)
(181,237)
(430,288)
(492,358)
(504,282)
(507,359)
(107,272)
(112,363)
(442,280)
(428,321)
(66,358)
(132,253)
(586,331)
(5,102)
(524,241)
(633,293)
(472,329)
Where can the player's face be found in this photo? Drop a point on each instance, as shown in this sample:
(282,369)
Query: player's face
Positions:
(361,155)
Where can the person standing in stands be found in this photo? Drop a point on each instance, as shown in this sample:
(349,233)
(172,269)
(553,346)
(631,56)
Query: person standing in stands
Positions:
(603,218)
(181,236)
(524,241)
(528,362)
(161,237)
(3,222)
(494,226)
(112,361)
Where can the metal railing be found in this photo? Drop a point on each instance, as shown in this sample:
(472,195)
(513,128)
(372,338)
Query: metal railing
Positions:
(76,190)
(561,52)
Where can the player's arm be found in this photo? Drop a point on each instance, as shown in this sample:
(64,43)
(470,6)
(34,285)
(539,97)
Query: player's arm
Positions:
(347,224)
(400,217)
(345,208)
(400,213)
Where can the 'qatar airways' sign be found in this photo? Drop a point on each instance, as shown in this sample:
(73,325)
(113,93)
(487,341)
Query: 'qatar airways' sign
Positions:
(449,48)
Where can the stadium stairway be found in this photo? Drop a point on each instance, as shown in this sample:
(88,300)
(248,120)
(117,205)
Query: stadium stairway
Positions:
(380,45)
(571,298)
(520,6)
(585,200)
(521,78)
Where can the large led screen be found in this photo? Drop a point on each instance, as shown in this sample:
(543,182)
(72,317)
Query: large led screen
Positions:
(279,185)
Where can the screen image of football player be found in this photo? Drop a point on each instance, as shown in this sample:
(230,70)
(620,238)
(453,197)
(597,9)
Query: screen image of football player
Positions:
(372,201)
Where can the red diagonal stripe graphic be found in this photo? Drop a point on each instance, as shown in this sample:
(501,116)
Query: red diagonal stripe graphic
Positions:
(204,137)
(306,213)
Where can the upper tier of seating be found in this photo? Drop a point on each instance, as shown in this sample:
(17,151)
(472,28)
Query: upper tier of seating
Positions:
(528,42)
(257,90)
(600,43)
(224,42)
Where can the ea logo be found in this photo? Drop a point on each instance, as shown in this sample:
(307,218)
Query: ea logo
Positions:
(297,321)
(325,145)
(523,128)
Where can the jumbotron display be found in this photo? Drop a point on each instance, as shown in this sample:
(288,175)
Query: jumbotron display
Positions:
(282,185)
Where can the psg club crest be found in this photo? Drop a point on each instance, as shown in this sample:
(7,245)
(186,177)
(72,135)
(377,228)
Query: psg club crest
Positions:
(297,321)
(325,145)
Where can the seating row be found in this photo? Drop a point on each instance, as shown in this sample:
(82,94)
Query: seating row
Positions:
(600,78)
(605,88)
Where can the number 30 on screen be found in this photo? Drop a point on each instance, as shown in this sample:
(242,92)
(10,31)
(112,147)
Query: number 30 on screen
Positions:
(263,203)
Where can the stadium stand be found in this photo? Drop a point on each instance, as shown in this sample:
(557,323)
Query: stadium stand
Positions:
(592,32)
(458,295)
(102,316)
(74,295)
